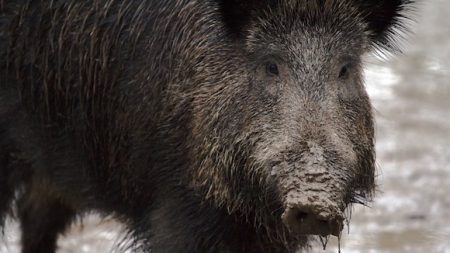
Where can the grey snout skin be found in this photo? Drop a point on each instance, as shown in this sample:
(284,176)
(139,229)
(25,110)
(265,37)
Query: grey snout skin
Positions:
(303,220)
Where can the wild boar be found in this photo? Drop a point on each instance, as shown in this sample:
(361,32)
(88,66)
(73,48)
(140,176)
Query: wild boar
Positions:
(203,125)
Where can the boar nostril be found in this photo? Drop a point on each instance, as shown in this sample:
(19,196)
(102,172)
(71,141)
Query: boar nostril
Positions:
(323,222)
(302,220)
(301,216)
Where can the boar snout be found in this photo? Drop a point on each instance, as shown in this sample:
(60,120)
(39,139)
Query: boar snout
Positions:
(314,202)
(310,219)
(314,188)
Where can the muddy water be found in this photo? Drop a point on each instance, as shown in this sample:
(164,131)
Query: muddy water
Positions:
(411,96)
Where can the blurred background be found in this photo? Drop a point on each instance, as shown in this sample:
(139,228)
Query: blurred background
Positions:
(411,97)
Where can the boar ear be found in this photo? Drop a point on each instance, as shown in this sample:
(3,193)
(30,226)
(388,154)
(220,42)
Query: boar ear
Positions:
(237,14)
(384,19)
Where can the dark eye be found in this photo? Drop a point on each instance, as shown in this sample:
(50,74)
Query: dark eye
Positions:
(344,73)
(272,69)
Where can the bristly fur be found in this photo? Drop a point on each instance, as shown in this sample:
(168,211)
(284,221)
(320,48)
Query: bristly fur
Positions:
(383,18)
(161,114)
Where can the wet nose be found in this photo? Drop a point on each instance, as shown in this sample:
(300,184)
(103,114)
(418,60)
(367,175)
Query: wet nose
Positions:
(304,220)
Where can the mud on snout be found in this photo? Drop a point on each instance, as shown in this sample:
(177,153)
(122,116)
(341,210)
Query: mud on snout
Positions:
(313,184)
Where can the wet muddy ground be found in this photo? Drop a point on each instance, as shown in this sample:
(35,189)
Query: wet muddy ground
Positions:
(411,96)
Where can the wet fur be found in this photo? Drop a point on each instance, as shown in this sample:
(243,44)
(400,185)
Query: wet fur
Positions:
(116,106)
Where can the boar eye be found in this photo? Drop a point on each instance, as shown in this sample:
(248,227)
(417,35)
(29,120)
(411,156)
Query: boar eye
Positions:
(272,69)
(344,73)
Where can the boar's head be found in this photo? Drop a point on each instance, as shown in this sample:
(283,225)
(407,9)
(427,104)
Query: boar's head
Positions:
(282,129)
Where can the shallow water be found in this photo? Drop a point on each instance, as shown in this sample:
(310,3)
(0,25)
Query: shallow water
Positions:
(411,96)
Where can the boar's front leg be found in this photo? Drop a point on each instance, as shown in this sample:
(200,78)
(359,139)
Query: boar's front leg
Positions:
(42,218)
